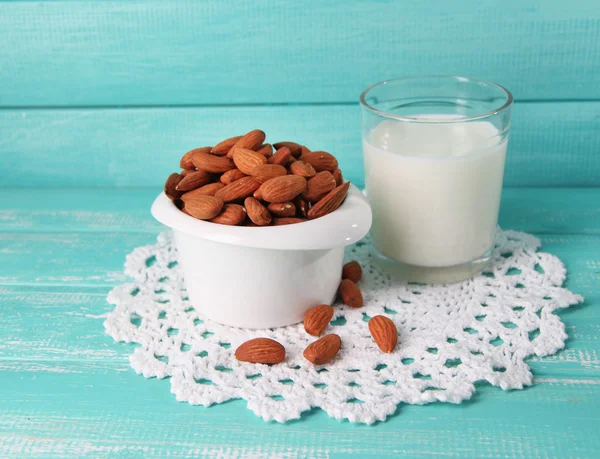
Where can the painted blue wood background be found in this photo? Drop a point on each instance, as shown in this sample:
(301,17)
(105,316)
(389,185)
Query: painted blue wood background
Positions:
(98,100)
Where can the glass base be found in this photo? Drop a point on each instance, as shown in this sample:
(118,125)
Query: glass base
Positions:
(431,275)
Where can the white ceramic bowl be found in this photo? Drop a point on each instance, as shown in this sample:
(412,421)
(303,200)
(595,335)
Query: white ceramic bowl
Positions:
(264,277)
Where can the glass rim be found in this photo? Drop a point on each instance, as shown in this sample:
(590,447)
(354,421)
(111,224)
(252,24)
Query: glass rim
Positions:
(409,119)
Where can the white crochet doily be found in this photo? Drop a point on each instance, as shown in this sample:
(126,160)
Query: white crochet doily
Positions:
(450,337)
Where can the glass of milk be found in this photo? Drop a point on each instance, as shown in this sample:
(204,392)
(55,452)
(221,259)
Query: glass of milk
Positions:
(434,152)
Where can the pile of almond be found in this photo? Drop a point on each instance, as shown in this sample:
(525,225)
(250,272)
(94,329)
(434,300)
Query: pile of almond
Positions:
(241,181)
(316,320)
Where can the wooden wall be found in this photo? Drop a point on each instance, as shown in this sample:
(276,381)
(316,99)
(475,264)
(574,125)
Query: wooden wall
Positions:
(103,93)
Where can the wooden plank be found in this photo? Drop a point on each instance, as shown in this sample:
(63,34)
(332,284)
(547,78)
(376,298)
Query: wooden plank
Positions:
(84,259)
(80,53)
(102,413)
(535,210)
(552,144)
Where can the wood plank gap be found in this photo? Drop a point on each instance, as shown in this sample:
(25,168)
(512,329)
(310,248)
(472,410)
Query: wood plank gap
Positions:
(243,105)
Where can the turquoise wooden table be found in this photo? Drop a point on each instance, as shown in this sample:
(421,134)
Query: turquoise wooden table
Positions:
(98,100)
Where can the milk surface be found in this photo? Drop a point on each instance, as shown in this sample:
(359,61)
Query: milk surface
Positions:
(434,190)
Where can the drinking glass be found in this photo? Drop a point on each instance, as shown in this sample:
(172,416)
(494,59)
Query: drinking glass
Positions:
(434,153)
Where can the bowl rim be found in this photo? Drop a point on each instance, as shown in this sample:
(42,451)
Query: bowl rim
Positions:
(345,226)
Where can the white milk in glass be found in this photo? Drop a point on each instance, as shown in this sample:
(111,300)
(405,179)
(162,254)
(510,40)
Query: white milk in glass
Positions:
(434,190)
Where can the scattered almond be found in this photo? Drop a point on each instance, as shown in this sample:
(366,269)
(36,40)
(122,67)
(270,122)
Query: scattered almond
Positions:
(304,150)
(281,157)
(266,150)
(265,172)
(232,214)
(330,202)
(246,160)
(211,163)
(280,189)
(352,271)
(240,189)
(257,212)
(384,332)
(261,350)
(222,148)
(171,186)
(316,319)
(321,161)
(295,149)
(302,169)
(319,186)
(204,207)
(208,190)
(282,209)
(231,176)
(351,294)
(323,350)
(186,172)
(280,221)
(194,180)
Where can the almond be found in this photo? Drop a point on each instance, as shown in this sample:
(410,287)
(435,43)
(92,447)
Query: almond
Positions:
(232,214)
(204,207)
(211,163)
(171,186)
(295,149)
(265,172)
(316,319)
(282,209)
(222,148)
(257,212)
(323,350)
(281,189)
(251,141)
(186,172)
(280,221)
(193,181)
(281,157)
(208,190)
(301,206)
(240,189)
(257,194)
(339,178)
(231,176)
(186,160)
(330,202)
(304,150)
(321,161)
(261,350)
(384,332)
(246,160)
(319,186)
(351,294)
(352,271)
(302,169)
(266,150)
